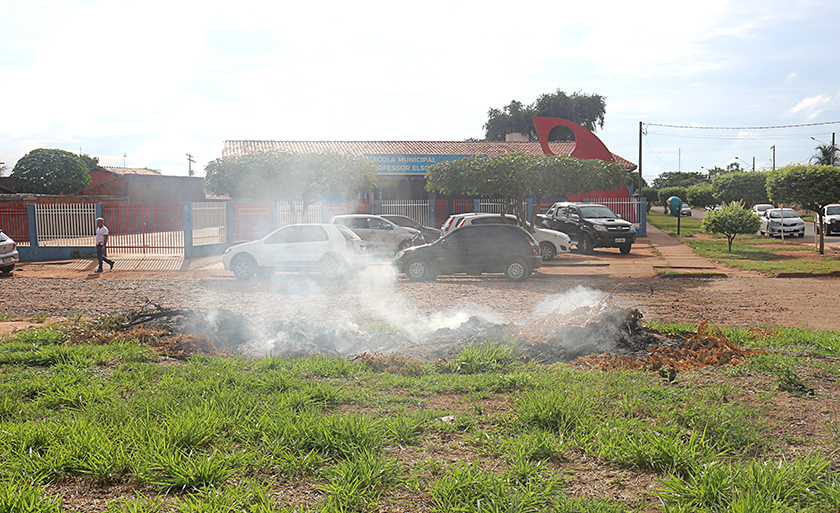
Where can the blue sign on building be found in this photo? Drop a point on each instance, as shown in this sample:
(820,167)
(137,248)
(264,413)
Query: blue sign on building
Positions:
(388,164)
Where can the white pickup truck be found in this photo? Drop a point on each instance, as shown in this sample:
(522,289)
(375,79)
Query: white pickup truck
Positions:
(831,219)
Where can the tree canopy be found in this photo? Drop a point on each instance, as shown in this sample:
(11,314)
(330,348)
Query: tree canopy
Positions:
(700,195)
(747,186)
(587,110)
(811,187)
(679,179)
(50,171)
(516,176)
(731,220)
(289,176)
(826,155)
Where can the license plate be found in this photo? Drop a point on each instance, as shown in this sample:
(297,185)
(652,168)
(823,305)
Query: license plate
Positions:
(619,241)
(7,259)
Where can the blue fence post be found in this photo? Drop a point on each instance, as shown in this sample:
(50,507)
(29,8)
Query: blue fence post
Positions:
(188,230)
(477,206)
(229,222)
(432,213)
(377,207)
(33,226)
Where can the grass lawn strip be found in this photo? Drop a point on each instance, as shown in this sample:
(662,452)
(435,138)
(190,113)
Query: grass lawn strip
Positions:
(110,427)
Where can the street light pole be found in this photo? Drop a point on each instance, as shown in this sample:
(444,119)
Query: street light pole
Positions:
(744,161)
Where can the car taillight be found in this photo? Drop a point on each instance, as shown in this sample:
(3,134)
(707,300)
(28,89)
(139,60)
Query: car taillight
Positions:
(461,223)
(14,245)
(535,248)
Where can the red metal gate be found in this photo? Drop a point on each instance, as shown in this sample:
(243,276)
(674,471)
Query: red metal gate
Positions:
(145,228)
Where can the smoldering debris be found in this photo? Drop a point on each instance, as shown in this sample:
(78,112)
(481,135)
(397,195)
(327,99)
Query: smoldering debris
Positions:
(592,337)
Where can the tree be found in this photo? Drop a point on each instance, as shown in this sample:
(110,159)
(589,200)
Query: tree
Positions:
(517,176)
(587,110)
(91,162)
(667,192)
(700,195)
(826,155)
(811,187)
(651,195)
(731,220)
(679,179)
(50,171)
(289,176)
(747,186)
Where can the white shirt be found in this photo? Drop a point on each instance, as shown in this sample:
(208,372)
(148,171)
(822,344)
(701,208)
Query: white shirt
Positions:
(101,232)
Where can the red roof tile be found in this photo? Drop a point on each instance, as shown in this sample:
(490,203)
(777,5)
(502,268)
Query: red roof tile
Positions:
(234,148)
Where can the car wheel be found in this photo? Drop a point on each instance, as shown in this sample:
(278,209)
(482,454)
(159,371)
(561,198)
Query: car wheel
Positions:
(586,245)
(800,235)
(333,267)
(517,270)
(405,244)
(417,270)
(547,250)
(625,249)
(243,266)
(8,269)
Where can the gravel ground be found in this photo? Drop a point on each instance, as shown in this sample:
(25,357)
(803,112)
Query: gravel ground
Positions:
(385,300)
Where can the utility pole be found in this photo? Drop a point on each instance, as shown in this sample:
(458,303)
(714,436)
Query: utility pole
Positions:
(774,156)
(190,162)
(833,149)
(640,159)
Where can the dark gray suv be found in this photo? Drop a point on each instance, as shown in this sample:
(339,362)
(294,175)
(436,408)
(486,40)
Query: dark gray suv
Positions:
(490,248)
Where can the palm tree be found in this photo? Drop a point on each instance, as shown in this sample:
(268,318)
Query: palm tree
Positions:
(826,155)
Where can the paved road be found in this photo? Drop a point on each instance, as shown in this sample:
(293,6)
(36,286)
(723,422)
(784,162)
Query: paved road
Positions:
(809,230)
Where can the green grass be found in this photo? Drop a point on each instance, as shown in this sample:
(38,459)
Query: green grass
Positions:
(748,254)
(668,224)
(484,432)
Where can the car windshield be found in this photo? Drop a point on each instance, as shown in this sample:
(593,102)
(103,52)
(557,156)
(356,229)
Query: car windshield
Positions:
(789,213)
(762,208)
(832,211)
(597,212)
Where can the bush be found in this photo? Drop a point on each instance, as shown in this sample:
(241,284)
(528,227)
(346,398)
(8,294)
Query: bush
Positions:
(667,192)
(731,220)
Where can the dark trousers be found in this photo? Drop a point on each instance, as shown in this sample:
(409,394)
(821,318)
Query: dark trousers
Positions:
(101,256)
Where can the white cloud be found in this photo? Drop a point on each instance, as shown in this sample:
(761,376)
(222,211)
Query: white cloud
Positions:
(812,106)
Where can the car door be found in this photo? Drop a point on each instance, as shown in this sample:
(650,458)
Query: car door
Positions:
(570,222)
(313,242)
(456,252)
(278,249)
(381,233)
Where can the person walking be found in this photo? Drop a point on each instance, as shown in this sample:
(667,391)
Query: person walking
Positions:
(101,242)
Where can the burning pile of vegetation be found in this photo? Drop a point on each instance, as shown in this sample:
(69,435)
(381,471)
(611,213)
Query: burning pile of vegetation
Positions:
(589,337)
(708,347)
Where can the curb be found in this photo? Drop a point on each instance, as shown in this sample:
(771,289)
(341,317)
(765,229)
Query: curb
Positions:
(830,274)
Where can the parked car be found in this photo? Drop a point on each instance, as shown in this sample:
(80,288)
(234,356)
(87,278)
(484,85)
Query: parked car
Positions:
(9,256)
(685,210)
(831,218)
(591,225)
(333,250)
(428,233)
(772,219)
(760,208)
(551,242)
(490,248)
(378,233)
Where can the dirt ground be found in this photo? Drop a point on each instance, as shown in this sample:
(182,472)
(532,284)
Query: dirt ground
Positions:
(742,299)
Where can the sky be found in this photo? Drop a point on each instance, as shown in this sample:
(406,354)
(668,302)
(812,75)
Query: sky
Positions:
(143,84)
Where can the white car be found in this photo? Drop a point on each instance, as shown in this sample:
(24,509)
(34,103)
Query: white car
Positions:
(771,223)
(9,255)
(831,218)
(378,232)
(333,250)
(760,208)
(685,210)
(552,242)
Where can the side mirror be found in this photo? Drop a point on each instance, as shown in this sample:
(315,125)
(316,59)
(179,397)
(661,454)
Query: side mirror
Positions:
(574,217)
(618,216)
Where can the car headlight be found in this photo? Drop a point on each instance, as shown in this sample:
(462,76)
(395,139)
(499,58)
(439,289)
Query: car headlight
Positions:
(599,227)
(399,255)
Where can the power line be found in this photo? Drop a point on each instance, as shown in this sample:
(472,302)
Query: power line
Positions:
(745,127)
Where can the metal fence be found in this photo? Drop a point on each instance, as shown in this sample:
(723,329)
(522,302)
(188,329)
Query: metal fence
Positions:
(145,228)
(68,224)
(209,221)
(14,222)
(251,220)
(415,209)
